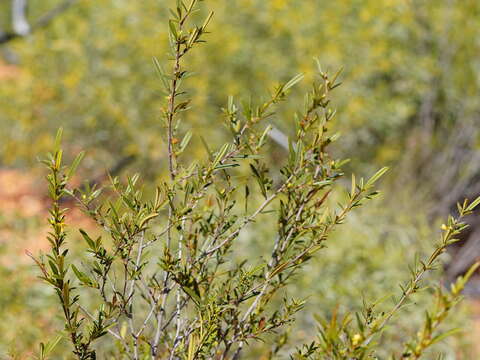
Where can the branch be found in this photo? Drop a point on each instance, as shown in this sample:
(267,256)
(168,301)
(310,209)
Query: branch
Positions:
(41,22)
(19,17)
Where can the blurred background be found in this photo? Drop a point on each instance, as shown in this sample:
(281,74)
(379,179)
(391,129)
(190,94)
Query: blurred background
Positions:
(409,100)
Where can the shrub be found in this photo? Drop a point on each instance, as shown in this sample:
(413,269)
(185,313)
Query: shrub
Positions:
(163,280)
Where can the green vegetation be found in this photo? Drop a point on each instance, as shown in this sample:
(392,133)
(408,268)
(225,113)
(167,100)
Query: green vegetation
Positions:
(166,278)
(228,244)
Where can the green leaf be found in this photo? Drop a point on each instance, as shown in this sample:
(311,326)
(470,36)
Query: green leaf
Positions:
(146,219)
(46,349)
(259,180)
(161,73)
(84,279)
(226,166)
(193,295)
(207,148)
(75,164)
(58,139)
(354,184)
(173,29)
(185,141)
(207,21)
(220,155)
(88,239)
(293,81)
(58,158)
(376,176)
(335,77)
(264,135)
(445,335)
(473,204)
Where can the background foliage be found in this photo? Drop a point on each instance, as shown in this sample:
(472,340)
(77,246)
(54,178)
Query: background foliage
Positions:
(410,100)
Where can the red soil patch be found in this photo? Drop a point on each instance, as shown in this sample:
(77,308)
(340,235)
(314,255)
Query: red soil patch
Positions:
(21,194)
(23,214)
(8,71)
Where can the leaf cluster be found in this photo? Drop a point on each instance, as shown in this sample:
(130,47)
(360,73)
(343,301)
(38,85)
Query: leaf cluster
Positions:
(162,269)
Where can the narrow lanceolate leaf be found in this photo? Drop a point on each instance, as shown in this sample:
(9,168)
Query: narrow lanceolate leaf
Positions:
(354,184)
(226,166)
(161,73)
(46,349)
(185,141)
(446,334)
(473,204)
(247,194)
(335,77)
(88,239)
(376,176)
(279,269)
(261,142)
(58,158)
(192,294)
(207,21)
(191,347)
(146,219)
(82,277)
(293,81)
(173,29)
(207,148)
(58,139)
(75,163)
(259,180)
(220,155)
